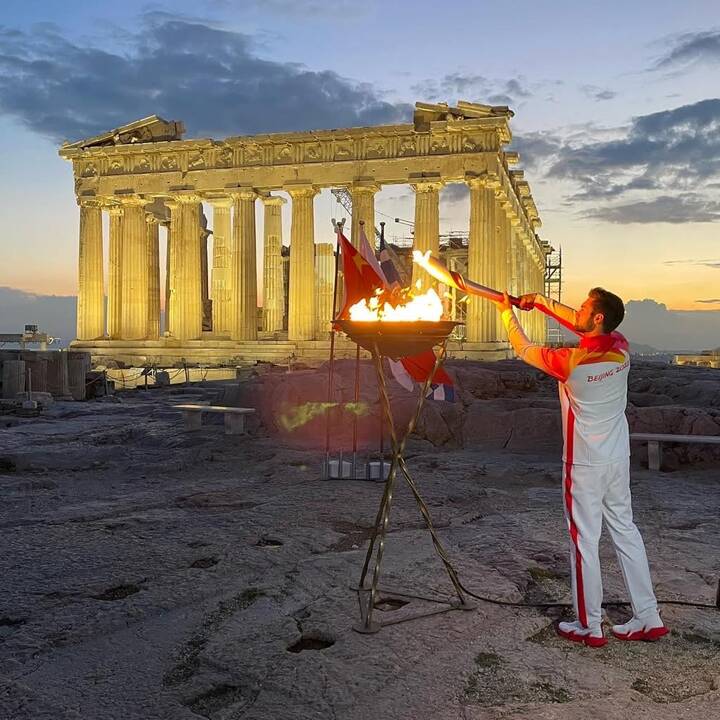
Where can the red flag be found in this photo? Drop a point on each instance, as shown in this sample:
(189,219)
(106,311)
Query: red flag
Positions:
(409,370)
(420,366)
(360,279)
(417,368)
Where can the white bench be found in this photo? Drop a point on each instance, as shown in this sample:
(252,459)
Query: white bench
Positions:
(234,417)
(655,440)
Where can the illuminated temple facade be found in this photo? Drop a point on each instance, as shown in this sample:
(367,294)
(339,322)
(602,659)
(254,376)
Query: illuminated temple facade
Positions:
(144,176)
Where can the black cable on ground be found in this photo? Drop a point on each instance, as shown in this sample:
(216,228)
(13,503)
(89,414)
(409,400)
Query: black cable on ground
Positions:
(609,603)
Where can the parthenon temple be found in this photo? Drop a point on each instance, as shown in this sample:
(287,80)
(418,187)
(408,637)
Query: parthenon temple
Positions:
(144,176)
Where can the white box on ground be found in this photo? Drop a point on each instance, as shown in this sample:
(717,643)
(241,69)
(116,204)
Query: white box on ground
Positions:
(374,472)
(333,469)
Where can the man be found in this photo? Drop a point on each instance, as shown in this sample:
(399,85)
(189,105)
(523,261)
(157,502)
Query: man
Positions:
(596,479)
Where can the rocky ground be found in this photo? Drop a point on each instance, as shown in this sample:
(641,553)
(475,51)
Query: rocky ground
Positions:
(150,572)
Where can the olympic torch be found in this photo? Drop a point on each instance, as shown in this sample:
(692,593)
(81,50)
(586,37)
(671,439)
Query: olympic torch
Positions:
(440,272)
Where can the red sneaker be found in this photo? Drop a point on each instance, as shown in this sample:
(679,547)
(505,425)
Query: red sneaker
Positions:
(576,633)
(648,630)
(649,635)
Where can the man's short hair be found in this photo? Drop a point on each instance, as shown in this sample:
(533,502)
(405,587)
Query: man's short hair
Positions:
(610,305)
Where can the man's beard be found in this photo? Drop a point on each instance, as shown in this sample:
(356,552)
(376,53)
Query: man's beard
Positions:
(589,325)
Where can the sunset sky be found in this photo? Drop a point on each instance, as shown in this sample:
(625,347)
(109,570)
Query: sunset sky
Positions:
(616,119)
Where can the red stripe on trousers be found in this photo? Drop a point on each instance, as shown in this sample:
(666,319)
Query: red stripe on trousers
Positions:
(569,437)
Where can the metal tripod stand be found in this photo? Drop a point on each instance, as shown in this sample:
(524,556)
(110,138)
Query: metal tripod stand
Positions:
(368,595)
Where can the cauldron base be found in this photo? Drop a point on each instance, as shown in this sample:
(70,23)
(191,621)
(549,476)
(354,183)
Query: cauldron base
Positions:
(397,339)
(389,340)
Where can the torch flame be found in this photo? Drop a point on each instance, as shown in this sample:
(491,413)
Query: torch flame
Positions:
(427,306)
(433,267)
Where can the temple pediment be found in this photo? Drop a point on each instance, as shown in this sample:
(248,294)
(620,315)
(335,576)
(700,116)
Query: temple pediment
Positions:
(146,130)
(425,113)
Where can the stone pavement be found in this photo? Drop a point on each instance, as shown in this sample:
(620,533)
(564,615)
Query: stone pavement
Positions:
(153,573)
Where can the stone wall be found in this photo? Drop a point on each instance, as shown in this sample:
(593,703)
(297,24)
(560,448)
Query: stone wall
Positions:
(499,405)
(60,373)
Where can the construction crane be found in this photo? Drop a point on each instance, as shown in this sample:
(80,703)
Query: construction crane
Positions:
(343,196)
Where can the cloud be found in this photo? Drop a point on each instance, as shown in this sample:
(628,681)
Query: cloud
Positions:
(455,192)
(451,85)
(597,93)
(652,323)
(663,165)
(663,209)
(300,9)
(715,264)
(601,189)
(691,49)
(54,314)
(536,148)
(682,144)
(397,197)
(710,301)
(183,69)
(514,88)
(474,87)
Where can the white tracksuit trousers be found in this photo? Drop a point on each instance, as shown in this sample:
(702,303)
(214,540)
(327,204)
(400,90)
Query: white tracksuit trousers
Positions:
(591,493)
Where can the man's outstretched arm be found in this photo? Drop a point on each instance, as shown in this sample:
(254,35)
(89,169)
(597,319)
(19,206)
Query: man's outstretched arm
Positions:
(565,315)
(555,362)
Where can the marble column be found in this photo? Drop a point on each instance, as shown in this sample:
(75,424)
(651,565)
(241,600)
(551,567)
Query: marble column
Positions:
(501,260)
(523,282)
(427,227)
(273,276)
(185,316)
(91,287)
(324,281)
(363,208)
(244,268)
(480,317)
(517,251)
(166,319)
(301,305)
(116,213)
(153,263)
(134,310)
(204,274)
(221,280)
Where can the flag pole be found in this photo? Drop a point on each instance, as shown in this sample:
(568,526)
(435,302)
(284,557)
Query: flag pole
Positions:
(382,414)
(355,415)
(338,226)
(357,392)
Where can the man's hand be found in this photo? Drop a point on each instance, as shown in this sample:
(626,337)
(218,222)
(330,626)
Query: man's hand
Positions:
(527,302)
(503,304)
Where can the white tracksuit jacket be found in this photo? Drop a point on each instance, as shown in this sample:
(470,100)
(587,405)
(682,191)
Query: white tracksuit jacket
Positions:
(592,382)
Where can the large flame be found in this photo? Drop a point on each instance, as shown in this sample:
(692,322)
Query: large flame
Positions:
(398,307)
(433,267)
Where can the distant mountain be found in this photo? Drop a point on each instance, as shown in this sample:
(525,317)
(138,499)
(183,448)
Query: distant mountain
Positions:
(53,314)
(652,328)
(648,322)
(639,349)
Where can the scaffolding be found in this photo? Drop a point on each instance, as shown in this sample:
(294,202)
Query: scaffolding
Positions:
(553,289)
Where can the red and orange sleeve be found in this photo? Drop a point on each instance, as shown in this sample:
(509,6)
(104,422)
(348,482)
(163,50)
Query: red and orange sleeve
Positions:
(557,362)
(565,315)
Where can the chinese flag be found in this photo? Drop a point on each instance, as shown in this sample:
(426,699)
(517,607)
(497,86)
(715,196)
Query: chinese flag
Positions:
(360,278)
